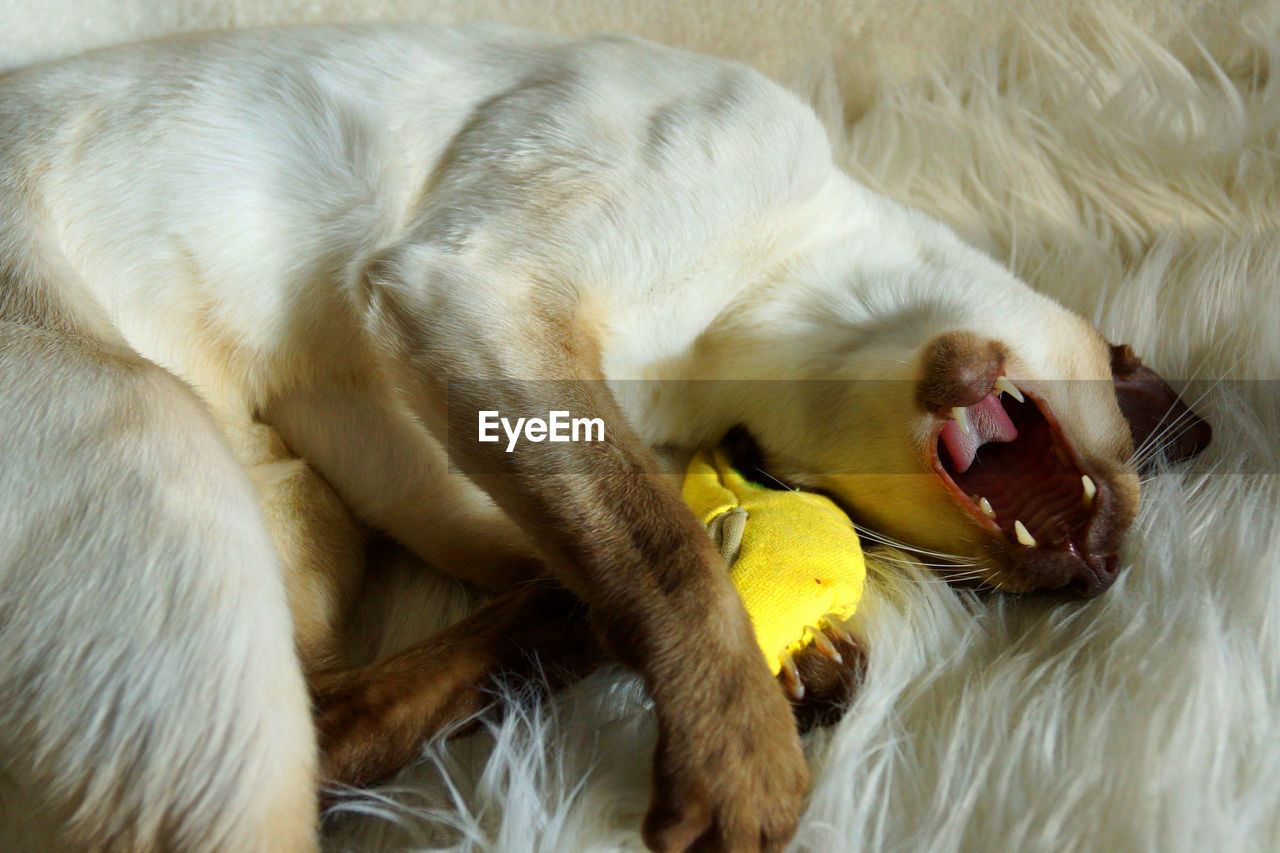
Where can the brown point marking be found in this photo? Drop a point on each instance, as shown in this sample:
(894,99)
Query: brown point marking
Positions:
(959,369)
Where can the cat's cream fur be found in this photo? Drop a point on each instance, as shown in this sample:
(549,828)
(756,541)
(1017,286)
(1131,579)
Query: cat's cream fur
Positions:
(309,255)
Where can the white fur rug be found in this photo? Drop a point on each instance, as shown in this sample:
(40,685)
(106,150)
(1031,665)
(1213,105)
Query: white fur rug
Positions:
(1123,158)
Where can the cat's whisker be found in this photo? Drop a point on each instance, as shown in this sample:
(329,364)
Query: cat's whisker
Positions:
(952,559)
(1164,435)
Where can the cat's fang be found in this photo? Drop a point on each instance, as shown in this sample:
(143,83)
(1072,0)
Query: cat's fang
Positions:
(1005,385)
(1024,535)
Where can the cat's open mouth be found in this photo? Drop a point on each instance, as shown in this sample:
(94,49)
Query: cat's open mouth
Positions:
(1007,462)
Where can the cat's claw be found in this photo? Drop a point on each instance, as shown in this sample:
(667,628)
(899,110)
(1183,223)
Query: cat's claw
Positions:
(821,678)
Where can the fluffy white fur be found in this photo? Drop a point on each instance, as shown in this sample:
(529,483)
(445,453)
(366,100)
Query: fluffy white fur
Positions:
(1132,176)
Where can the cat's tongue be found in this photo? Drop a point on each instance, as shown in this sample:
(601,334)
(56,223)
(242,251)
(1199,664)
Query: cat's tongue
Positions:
(987,422)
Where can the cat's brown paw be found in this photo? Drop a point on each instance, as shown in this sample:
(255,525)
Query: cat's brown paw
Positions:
(821,679)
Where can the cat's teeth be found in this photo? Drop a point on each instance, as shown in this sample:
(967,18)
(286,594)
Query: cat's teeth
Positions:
(1024,535)
(1005,384)
(985,506)
(958,412)
(1089,489)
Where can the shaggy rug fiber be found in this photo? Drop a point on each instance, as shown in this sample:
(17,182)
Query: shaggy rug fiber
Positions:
(1124,159)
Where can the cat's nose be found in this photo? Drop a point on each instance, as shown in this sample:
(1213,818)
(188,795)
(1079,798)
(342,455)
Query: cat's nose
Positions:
(1088,581)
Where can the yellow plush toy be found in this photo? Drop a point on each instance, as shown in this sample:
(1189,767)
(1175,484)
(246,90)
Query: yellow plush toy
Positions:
(794,557)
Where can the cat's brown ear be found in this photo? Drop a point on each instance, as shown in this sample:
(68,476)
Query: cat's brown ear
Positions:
(1154,411)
